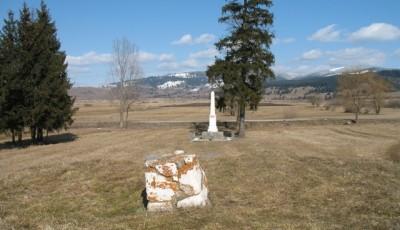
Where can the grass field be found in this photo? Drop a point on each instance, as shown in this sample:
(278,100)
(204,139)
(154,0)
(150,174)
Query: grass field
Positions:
(184,110)
(282,177)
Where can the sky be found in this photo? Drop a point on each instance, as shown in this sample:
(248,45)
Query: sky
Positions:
(179,35)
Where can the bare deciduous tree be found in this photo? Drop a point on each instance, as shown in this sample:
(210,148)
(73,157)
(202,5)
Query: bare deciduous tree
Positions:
(379,87)
(354,90)
(315,100)
(125,70)
(359,90)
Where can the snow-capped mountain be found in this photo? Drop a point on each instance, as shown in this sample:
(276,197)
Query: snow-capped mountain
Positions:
(186,80)
(196,83)
(340,70)
(326,80)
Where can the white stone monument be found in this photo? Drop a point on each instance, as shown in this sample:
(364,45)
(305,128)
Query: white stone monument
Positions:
(212,133)
(212,122)
(175,181)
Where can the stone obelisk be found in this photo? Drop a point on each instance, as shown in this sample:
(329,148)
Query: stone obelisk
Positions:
(212,124)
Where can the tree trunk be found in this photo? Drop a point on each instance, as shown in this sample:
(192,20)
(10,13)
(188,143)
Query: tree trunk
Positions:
(377,106)
(40,135)
(33,134)
(126,117)
(13,136)
(242,124)
(19,137)
(238,119)
(357,112)
(121,117)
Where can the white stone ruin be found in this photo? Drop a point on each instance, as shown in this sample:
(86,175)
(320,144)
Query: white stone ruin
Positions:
(175,181)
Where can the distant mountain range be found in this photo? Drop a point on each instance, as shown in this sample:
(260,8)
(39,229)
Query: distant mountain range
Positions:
(195,84)
(324,81)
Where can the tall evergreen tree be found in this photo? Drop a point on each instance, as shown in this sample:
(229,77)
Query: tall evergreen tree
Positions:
(52,106)
(33,76)
(247,57)
(26,36)
(11,88)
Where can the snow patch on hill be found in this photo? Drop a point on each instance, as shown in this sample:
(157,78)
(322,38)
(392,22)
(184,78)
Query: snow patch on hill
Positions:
(170,84)
(182,75)
(195,89)
(336,69)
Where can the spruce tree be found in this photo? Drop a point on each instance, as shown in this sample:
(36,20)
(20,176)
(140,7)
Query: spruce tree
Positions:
(33,76)
(247,59)
(26,41)
(52,106)
(11,87)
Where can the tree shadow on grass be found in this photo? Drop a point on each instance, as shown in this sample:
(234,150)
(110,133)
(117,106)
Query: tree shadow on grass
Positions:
(50,140)
(144,198)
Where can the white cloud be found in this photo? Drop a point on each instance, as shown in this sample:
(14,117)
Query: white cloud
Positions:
(163,57)
(188,39)
(168,66)
(326,34)
(208,53)
(299,70)
(93,58)
(166,57)
(376,32)
(356,56)
(343,58)
(204,39)
(89,58)
(312,54)
(74,70)
(283,40)
(146,56)
(190,63)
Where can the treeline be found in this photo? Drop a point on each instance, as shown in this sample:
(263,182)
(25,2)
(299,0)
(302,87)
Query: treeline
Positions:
(33,76)
(328,84)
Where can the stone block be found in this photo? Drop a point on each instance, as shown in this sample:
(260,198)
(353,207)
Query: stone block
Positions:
(175,181)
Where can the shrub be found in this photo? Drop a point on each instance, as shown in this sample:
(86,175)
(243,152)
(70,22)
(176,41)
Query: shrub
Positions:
(394,104)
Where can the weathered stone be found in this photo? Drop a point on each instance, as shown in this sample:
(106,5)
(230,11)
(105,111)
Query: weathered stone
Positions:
(175,181)
(160,206)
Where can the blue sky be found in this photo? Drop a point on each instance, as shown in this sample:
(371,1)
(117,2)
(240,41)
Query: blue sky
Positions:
(178,35)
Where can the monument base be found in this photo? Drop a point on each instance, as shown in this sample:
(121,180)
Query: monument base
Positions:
(212,136)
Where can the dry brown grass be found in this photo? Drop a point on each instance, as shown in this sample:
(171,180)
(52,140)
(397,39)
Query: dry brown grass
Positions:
(394,152)
(317,177)
(160,110)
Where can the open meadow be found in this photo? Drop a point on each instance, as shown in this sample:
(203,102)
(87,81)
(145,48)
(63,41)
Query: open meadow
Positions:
(286,176)
(183,110)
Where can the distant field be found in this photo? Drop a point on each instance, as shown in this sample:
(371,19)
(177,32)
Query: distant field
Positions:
(288,177)
(197,111)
